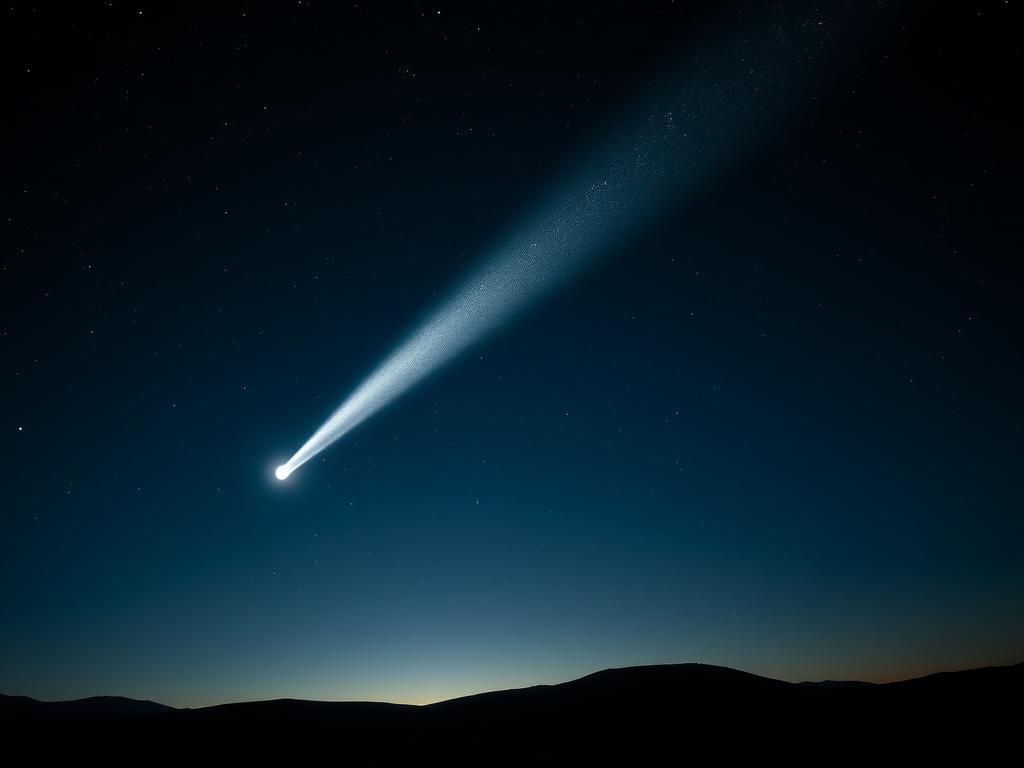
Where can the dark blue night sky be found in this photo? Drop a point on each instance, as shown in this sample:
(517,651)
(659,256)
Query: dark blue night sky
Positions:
(778,427)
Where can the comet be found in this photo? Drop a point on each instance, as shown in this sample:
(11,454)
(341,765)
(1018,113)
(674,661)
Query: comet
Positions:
(717,106)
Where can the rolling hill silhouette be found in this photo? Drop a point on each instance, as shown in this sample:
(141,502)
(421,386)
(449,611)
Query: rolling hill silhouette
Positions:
(93,708)
(644,705)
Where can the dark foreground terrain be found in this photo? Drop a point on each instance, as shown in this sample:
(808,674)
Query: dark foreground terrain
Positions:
(681,706)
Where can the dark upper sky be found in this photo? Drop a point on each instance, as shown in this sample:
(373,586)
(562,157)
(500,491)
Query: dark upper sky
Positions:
(777,429)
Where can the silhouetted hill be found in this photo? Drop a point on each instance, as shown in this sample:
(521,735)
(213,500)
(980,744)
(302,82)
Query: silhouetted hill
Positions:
(354,714)
(93,708)
(634,693)
(640,706)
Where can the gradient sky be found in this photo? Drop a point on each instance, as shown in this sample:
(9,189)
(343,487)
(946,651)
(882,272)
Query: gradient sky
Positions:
(778,430)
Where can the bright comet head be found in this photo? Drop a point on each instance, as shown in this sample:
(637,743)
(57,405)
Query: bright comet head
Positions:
(282,472)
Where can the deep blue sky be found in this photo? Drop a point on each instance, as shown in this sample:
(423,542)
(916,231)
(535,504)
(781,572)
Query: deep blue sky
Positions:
(779,430)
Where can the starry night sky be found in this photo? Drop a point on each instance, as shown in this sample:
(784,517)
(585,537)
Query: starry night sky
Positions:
(779,430)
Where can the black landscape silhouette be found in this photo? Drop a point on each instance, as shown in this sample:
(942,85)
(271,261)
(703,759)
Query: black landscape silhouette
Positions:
(646,705)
